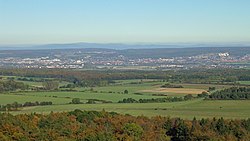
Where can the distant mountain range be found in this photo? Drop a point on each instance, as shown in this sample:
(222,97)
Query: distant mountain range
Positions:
(120,46)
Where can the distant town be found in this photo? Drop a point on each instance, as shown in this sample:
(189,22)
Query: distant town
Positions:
(109,59)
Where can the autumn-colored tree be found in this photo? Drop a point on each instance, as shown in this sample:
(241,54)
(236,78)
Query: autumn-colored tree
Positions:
(110,126)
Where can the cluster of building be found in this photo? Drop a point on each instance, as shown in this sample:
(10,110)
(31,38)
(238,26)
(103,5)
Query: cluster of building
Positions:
(42,62)
(210,60)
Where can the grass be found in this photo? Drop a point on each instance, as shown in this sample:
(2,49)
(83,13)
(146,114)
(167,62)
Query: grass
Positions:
(8,99)
(66,97)
(244,82)
(152,87)
(186,109)
(109,93)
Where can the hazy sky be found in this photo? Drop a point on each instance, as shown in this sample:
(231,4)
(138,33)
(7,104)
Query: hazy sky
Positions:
(123,21)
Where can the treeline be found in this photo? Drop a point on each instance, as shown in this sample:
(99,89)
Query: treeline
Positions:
(31,79)
(234,93)
(88,83)
(90,101)
(171,86)
(218,76)
(11,85)
(165,99)
(15,106)
(109,126)
(152,100)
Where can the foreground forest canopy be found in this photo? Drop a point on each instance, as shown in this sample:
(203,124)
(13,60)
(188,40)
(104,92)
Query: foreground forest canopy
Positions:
(110,126)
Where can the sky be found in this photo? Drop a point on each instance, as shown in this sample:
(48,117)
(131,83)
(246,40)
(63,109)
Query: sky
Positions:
(123,21)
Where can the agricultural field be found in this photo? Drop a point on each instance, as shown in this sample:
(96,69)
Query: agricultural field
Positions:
(244,82)
(21,98)
(137,89)
(113,97)
(186,109)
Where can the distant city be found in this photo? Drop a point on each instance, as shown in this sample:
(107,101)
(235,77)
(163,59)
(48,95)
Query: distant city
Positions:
(123,59)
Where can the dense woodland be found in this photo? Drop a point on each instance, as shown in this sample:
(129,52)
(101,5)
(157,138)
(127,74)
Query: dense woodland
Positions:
(91,126)
(233,93)
(11,85)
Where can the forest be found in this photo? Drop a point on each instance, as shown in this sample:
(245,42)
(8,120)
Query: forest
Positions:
(11,85)
(110,126)
(235,93)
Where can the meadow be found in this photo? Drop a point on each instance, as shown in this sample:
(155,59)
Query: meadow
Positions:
(137,89)
(244,82)
(187,109)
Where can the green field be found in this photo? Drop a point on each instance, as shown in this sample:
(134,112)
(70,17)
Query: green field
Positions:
(112,93)
(34,96)
(244,82)
(10,98)
(187,109)
(138,89)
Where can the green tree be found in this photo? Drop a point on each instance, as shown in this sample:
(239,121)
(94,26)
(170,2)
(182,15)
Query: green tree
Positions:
(125,91)
(50,85)
(188,97)
(76,101)
(133,130)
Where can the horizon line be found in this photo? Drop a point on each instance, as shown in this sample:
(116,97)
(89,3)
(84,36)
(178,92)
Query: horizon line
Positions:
(124,43)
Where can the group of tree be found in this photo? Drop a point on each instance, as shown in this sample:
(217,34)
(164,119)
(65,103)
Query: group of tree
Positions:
(233,93)
(110,126)
(11,85)
(153,100)
(207,129)
(211,89)
(89,101)
(87,83)
(125,92)
(203,95)
(165,99)
(189,97)
(76,101)
(16,106)
(31,79)
(50,85)
(167,85)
